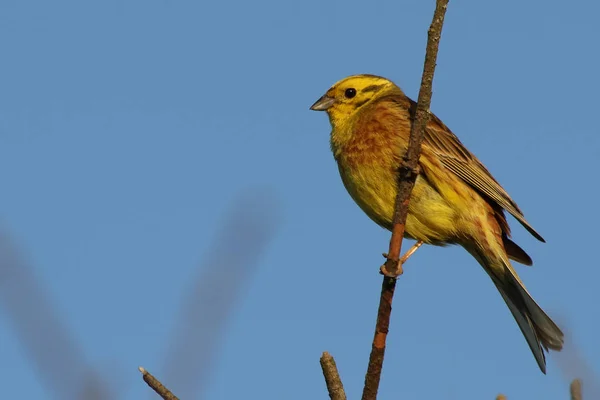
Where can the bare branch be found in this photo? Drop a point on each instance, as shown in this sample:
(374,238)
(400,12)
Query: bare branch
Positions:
(406,180)
(332,378)
(158,387)
(575,389)
(410,165)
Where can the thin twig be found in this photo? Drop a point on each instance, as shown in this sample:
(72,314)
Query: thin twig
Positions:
(332,378)
(576,390)
(407,175)
(158,387)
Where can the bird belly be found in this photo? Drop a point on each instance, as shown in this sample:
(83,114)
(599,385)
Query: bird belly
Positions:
(431,218)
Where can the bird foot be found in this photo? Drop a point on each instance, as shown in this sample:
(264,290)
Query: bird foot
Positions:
(383,270)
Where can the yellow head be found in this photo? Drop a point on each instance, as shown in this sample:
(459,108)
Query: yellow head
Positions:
(347,96)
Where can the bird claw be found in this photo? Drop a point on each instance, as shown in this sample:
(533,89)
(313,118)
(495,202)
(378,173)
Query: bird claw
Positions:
(383,270)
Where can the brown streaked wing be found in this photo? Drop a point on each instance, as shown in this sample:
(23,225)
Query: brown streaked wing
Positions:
(458,159)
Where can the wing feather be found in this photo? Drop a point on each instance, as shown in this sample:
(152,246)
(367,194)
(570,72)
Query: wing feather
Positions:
(458,159)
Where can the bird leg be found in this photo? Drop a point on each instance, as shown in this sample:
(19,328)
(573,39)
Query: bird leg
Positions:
(410,252)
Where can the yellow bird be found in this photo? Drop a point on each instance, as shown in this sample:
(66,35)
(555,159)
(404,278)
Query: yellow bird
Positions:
(455,199)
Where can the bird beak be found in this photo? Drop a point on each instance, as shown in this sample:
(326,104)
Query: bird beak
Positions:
(323,104)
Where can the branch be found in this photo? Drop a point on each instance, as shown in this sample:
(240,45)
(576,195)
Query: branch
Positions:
(332,378)
(576,390)
(406,180)
(158,387)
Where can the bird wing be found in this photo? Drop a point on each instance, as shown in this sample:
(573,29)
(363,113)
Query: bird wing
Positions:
(455,156)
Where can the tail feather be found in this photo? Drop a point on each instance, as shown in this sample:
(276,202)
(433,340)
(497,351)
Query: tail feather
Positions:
(550,334)
(528,330)
(538,328)
(540,332)
(515,252)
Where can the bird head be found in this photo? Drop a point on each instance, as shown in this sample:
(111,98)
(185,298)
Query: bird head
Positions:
(344,98)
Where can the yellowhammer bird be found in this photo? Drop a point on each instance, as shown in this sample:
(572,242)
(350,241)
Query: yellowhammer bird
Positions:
(455,199)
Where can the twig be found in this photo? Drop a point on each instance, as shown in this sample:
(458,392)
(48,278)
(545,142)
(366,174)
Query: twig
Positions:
(407,175)
(158,387)
(576,390)
(332,378)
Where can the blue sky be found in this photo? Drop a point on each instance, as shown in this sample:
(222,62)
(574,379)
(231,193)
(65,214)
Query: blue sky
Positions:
(129,130)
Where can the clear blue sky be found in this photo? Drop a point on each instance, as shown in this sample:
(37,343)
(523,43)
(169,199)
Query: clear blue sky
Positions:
(128,128)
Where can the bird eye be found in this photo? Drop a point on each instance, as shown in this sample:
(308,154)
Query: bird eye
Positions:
(350,93)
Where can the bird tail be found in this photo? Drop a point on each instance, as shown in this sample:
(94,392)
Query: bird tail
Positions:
(538,328)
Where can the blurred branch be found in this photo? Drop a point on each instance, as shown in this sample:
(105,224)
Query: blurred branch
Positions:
(406,180)
(232,259)
(60,363)
(158,387)
(332,378)
(575,390)
(574,366)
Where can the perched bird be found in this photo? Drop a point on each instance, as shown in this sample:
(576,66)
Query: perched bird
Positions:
(455,199)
